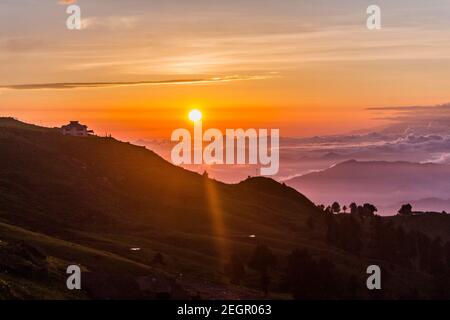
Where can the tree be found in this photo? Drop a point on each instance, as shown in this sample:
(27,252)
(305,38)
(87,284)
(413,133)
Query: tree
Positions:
(369,209)
(336,207)
(262,261)
(344,208)
(406,210)
(353,208)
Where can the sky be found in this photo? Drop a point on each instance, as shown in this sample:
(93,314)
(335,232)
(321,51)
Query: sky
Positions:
(137,67)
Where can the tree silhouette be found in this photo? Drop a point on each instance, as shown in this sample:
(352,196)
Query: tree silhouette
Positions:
(353,208)
(262,261)
(406,209)
(321,207)
(344,208)
(336,207)
(369,209)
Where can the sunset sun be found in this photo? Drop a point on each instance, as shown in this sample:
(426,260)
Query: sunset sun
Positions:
(195,115)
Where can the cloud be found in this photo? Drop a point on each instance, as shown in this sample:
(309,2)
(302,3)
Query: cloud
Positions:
(443,158)
(418,120)
(402,108)
(423,139)
(445,106)
(417,133)
(75,85)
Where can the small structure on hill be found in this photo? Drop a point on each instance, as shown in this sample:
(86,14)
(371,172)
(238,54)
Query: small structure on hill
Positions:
(74,128)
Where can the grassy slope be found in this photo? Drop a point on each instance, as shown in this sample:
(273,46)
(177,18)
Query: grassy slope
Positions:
(105,194)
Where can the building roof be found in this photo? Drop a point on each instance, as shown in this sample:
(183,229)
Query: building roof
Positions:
(74,125)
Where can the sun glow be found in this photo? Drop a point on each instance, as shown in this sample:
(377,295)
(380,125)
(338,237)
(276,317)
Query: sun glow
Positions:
(195,115)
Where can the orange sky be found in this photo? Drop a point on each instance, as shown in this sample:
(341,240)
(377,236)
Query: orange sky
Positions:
(295,67)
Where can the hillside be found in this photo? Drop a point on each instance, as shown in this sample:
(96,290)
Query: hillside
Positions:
(134,221)
(114,196)
(436,225)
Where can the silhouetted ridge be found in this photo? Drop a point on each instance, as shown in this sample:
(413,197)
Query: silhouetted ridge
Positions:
(13,123)
(272,187)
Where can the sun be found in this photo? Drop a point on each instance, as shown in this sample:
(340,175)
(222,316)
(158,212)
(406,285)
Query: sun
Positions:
(195,115)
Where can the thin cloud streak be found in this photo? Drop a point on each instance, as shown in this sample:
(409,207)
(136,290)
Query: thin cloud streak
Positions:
(77,85)
(409,108)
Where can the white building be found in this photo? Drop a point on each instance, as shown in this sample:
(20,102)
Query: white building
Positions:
(74,128)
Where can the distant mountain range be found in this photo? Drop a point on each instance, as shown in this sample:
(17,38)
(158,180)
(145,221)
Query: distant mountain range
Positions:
(379,182)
